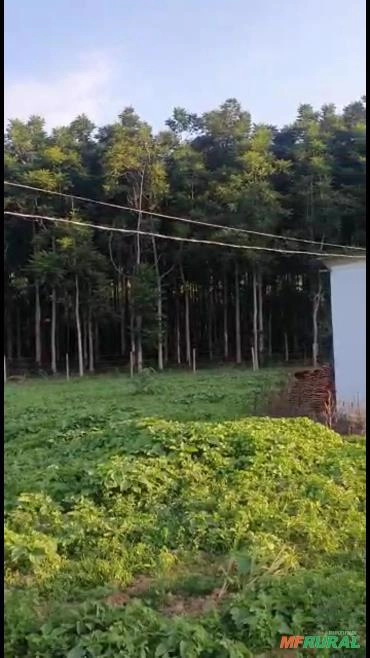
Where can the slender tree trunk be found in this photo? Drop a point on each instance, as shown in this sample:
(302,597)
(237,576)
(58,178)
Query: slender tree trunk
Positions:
(27,339)
(139,319)
(132,337)
(139,218)
(210,319)
(84,342)
(53,326)
(270,334)
(165,346)
(91,342)
(123,316)
(238,343)
(178,332)
(78,328)
(159,307)
(261,345)
(187,327)
(19,334)
(255,320)
(68,332)
(315,327)
(132,328)
(286,346)
(37,325)
(38,355)
(160,328)
(187,319)
(9,334)
(57,344)
(225,309)
(97,343)
(53,331)
(139,343)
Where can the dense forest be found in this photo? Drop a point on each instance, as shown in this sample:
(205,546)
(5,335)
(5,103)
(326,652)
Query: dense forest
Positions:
(108,297)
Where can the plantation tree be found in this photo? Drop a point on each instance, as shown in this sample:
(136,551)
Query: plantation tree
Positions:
(251,200)
(97,295)
(84,267)
(136,173)
(48,269)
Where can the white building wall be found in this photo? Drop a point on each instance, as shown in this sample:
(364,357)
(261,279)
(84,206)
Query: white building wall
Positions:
(348,301)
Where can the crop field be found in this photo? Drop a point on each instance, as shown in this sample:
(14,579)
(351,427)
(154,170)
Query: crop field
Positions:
(161,517)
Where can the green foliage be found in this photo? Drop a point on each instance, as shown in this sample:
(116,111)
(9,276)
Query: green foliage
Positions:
(268,513)
(144,290)
(306,180)
(144,382)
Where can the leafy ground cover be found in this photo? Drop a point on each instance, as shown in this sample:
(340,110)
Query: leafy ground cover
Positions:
(156,519)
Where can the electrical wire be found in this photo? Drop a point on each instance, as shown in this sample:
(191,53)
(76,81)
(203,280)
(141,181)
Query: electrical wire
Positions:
(186,220)
(161,236)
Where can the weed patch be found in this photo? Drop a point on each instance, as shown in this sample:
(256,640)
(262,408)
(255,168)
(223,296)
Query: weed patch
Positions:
(163,537)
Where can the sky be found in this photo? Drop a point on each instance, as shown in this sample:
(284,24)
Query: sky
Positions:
(67,57)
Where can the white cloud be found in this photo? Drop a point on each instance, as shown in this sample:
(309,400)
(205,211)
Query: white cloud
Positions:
(85,89)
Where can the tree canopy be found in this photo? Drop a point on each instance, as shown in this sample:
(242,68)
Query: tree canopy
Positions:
(94,295)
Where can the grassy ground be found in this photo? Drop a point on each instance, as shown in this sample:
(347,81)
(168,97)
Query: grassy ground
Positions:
(42,413)
(155,518)
(222,394)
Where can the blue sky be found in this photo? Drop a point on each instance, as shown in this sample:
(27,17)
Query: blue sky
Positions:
(65,57)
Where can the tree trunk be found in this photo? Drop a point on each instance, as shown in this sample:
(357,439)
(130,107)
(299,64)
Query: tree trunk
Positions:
(136,337)
(91,342)
(97,343)
(132,337)
(178,332)
(160,327)
(139,218)
(286,346)
(139,319)
(315,327)
(9,335)
(238,343)
(210,318)
(84,342)
(270,334)
(261,345)
(226,331)
(255,320)
(37,325)
(139,343)
(159,307)
(187,327)
(53,331)
(19,334)
(132,326)
(57,345)
(123,316)
(78,328)
(187,319)
(165,345)
(68,332)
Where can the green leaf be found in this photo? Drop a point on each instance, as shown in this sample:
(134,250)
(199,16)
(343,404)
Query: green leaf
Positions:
(76,652)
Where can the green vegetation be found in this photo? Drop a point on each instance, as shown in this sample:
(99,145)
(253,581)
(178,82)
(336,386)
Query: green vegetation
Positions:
(98,293)
(156,520)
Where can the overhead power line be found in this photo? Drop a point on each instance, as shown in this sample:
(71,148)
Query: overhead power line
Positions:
(185,220)
(161,236)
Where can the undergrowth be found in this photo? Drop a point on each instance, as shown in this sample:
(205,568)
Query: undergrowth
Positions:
(154,537)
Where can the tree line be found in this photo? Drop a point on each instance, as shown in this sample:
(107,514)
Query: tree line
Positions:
(72,289)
